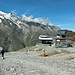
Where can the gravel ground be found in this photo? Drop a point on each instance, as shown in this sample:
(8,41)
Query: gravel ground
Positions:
(31,62)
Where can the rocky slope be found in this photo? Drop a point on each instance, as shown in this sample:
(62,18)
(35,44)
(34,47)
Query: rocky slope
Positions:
(29,62)
(16,33)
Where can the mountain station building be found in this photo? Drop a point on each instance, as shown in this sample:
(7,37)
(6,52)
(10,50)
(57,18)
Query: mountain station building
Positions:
(62,36)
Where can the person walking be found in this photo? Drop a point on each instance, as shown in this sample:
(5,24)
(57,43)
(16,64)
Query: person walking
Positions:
(2,52)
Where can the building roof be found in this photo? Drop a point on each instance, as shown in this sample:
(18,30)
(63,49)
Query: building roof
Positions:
(44,37)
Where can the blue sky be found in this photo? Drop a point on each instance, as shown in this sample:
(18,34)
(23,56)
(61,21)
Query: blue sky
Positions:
(60,12)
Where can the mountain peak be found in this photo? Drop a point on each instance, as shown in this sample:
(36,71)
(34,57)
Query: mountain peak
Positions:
(6,15)
(29,19)
(2,12)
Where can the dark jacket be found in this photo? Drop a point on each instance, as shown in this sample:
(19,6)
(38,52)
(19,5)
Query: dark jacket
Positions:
(2,52)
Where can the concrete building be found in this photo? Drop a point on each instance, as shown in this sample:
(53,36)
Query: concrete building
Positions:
(62,36)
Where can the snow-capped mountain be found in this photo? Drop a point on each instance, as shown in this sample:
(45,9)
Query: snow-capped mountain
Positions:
(19,32)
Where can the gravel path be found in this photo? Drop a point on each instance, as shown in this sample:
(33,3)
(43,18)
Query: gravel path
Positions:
(32,63)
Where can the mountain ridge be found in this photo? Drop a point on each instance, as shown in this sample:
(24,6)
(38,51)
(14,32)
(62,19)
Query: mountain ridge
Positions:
(19,33)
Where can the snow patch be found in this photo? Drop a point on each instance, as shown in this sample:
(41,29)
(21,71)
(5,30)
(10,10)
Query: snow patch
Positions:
(50,24)
(18,26)
(0,21)
(18,22)
(10,23)
(7,16)
(13,18)
(1,17)
(49,27)
(2,12)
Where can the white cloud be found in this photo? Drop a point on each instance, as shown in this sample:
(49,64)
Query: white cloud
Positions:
(60,25)
(73,30)
(38,20)
(41,20)
(24,17)
(51,24)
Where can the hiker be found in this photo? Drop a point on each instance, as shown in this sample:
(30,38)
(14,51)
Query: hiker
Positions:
(2,52)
